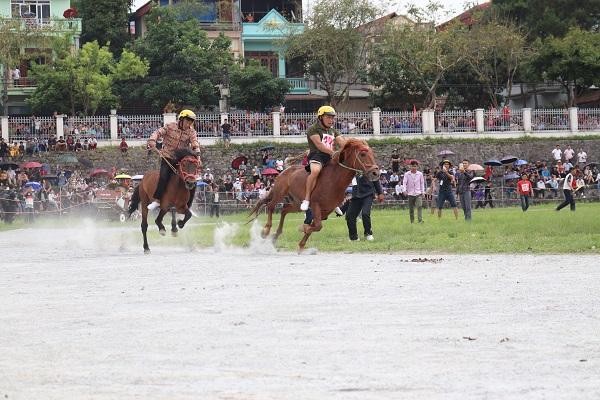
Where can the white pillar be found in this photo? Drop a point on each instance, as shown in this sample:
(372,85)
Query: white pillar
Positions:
(4,127)
(168,118)
(376,121)
(573,119)
(224,117)
(276,115)
(428,118)
(114,125)
(479,122)
(527,120)
(60,125)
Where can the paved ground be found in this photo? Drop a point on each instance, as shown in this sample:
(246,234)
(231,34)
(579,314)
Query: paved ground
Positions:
(85,315)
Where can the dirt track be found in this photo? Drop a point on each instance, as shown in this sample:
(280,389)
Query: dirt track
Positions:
(85,315)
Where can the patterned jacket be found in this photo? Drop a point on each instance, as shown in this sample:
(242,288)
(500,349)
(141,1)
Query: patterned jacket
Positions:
(173,139)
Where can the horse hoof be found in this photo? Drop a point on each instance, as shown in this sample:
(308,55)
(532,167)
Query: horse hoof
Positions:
(162,232)
(180,224)
(146,251)
(174,233)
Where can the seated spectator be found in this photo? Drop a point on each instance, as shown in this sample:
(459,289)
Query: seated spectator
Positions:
(93,143)
(70,143)
(123,146)
(78,145)
(61,144)
(540,188)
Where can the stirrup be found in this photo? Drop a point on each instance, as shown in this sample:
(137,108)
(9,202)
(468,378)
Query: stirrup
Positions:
(338,212)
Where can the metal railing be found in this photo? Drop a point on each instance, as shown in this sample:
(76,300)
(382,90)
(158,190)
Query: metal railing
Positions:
(403,122)
(503,120)
(550,120)
(589,119)
(251,124)
(30,128)
(296,123)
(138,126)
(97,127)
(208,125)
(455,121)
(355,123)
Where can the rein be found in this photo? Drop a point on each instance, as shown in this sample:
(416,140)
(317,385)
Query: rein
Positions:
(184,174)
(359,172)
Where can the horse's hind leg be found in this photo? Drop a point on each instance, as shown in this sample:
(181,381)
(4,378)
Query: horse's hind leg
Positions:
(161,228)
(267,228)
(145,228)
(284,211)
(174,229)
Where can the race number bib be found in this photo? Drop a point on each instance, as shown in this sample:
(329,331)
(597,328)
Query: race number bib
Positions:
(328,140)
(29,202)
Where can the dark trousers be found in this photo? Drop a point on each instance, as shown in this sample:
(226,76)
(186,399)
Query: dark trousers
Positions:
(568,200)
(214,209)
(356,207)
(163,179)
(524,202)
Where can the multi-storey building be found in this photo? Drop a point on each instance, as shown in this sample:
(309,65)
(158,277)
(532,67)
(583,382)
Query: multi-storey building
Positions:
(56,14)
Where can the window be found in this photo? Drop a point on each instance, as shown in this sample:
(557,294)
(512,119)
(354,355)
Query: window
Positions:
(35,10)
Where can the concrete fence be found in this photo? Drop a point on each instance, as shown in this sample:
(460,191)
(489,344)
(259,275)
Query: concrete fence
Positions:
(276,126)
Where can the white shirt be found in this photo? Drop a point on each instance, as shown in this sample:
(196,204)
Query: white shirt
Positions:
(567,183)
(569,154)
(582,156)
(557,154)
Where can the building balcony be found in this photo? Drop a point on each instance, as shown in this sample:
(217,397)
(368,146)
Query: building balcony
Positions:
(298,86)
(20,87)
(58,25)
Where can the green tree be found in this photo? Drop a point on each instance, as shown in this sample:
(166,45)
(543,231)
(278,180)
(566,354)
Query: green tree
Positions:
(546,18)
(83,82)
(573,60)
(105,21)
(254,87)
(185,65)
(333,47)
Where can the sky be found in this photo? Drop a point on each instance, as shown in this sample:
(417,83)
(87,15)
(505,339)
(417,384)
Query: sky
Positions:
(452,7)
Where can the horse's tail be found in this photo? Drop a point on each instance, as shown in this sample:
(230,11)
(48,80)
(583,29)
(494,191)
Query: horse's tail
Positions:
(260,204)
(135,200)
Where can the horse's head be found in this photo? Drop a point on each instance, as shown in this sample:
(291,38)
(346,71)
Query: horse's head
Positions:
(357,155)
(188,166)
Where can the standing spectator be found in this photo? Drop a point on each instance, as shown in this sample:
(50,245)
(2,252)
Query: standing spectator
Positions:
(568,191)
(255,174)
(363,190)
(569,153)
(463,187)
(525,190)
(557,153)
(226,129)
(16,75)
(581,158)
(395,161)
(279,165)
(214,199)
(487,194)
(414,187)
(29,206)
(446,180)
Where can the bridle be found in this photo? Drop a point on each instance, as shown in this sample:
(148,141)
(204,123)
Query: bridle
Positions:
(358,172)
(186,176)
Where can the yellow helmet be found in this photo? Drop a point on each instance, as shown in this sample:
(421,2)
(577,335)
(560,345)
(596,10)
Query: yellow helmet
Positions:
(187,114)
(325,110)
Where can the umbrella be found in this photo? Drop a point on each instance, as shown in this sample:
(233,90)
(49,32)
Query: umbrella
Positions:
(8,165)
(201,183)
(478,179)
(98,171)
(475,167)
(267,148)
(445,153)
(235,164)
(493,163)
(122,176)
(137,177)
(591,164)
(269,171)
(512,175)
(67,159)
(31,164)
(508,159)
(518,163)
(85,162)
(34,185)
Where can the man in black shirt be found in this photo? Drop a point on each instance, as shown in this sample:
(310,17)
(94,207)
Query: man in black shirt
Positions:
(446,182)
(226,128)
(362,200)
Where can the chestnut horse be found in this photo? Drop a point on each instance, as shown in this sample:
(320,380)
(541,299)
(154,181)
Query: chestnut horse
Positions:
(356,157)
(176,195)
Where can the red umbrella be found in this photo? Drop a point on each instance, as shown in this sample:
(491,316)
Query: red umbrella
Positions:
(98,171)
(31,164)
(269,171)
(235,164)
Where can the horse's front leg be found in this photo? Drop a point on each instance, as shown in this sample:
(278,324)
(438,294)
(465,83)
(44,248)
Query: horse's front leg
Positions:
(174,229)
(315,226)
(186,217)
(158,221)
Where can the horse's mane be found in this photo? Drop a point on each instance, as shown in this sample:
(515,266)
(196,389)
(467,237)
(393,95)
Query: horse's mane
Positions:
(181,153)
(351,143)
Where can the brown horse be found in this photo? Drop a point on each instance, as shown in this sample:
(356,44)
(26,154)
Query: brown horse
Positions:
(176,194)
(355,157)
